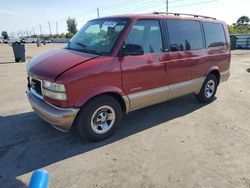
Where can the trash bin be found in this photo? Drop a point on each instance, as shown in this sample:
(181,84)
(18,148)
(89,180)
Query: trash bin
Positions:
(19,52)
(38,43)
(233,39)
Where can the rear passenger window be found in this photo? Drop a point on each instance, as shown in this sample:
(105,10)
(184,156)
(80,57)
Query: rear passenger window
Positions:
(146,33)
(214,34)
(184,35)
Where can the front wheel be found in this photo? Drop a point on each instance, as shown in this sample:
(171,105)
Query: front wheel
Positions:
(208,89)
(99,118)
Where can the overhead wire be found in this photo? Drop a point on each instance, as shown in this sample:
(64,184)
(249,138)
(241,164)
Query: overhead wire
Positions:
(127,6)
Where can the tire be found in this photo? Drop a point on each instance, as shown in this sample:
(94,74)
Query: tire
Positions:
(208,89)
(99,118)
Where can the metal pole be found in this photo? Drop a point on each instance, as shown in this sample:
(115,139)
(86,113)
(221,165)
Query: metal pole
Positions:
(166,5)
(98,13)
(56,28)
(41,30)
(33,30)
(49,28)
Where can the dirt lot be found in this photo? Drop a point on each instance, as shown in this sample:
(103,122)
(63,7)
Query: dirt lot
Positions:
(179,143)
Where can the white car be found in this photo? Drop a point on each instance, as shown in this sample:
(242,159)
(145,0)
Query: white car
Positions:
(29,40)
(46,40)
(12,40)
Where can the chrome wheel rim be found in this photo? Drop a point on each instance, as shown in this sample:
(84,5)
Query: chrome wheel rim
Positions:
(103,119)
(210,87)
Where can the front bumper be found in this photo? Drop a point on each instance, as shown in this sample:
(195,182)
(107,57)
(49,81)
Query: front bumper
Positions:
(60,118)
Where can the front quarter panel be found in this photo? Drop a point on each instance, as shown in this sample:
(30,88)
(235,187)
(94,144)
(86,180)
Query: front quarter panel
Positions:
(101,75)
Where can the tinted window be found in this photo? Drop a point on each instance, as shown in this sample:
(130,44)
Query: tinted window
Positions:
(184,35)
(214,34)
(146,33)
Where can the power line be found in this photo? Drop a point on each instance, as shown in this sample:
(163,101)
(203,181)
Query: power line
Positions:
(198,3)
(125,6)
(137,4)
(135,7)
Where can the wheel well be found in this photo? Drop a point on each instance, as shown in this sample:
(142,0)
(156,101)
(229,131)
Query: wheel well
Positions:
(217,74)
(119,99)
(114,95)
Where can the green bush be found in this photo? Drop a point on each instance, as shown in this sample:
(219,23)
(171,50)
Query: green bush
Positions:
(69,35)
(236,29)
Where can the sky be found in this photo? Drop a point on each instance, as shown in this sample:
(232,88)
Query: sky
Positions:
(26,16)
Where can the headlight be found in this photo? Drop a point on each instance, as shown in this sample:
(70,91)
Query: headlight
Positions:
(53,86)
(54,90)
(55,95)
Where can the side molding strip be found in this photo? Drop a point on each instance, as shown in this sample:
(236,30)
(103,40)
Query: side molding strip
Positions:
(161,94)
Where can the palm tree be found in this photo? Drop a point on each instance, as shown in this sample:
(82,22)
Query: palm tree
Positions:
(243,21)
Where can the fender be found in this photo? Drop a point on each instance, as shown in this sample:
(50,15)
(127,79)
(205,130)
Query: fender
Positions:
(102,90)
(213,68)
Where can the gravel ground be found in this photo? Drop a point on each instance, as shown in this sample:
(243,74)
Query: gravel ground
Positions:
(179,143)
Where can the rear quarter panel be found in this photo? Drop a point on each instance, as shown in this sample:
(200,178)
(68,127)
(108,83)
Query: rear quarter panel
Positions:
(215,58)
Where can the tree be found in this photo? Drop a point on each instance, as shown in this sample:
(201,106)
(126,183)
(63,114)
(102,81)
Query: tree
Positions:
(71,24)
(69,35)
(5,35)
(243,21)
(241,26)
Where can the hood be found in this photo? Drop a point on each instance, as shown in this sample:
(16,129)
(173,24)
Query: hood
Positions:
(51,64)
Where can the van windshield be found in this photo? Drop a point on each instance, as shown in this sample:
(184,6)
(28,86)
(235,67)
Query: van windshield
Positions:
(98,36)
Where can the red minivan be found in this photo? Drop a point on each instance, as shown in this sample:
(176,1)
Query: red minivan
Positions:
(118,64)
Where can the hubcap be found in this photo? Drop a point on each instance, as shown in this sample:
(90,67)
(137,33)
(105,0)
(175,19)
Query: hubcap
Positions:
(103,119)
(210,87)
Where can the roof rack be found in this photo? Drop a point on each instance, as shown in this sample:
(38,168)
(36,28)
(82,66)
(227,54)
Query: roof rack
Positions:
(183,14)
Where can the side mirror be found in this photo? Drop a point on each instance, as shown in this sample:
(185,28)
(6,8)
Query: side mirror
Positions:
(132,49)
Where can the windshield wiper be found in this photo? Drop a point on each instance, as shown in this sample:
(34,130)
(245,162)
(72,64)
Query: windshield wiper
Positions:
(80,44)
(77,43)
(92,52)
(83,49)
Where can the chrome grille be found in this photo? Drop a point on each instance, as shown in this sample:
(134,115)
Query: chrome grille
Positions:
(35,85)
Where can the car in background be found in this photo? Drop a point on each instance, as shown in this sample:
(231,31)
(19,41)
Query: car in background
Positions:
(28,40)
(45,40)
(12,40)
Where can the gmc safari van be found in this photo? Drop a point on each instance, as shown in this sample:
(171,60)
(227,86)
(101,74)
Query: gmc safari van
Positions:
(118,64)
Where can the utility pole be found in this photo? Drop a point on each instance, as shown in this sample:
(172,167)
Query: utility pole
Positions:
(56,28)
(49,28)
(41,29)
(98,13)
(166,5)
(33,30)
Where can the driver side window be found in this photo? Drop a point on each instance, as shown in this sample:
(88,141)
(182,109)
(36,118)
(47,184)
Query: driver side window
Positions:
(146,33)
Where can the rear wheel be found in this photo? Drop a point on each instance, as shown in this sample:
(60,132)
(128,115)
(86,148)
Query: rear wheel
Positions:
(208,89)
(99,118)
